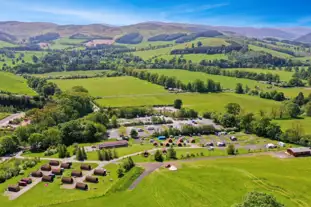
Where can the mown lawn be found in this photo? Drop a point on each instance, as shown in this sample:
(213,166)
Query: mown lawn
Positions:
(199,102)
(14,84)
(114,86)
(221,183)
(284,75)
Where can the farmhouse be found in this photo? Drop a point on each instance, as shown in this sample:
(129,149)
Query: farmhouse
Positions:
(116,144)
(299,152)
(100,172)
(82,186)
(14,188)
(67,180)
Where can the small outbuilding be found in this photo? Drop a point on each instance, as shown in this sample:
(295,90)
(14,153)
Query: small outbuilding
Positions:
(27,180)
(170,140)
(233,138)
(47,178)
(54,163)
(82,186)
(100,172)
(155,144)
(37,174)
(67,180)
(65,165)
(299,152)
(192,140)
(14,188)
(57,171)
(91,179)
(166,144)
(46,167)
(85,167)
(76,173)
(221,144)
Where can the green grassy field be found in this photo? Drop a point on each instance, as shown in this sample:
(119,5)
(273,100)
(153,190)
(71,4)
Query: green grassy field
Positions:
(197,58)
(284,75)
(15,84)
(165,52)
(226,82)
(3,115)
(27,57)
(65,42)
(115,86)
(6,44)
(272,52)
(305,124)
(199,102)
(220,182)
(70,73)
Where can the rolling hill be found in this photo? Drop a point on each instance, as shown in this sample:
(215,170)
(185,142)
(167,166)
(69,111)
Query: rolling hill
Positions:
(305,38)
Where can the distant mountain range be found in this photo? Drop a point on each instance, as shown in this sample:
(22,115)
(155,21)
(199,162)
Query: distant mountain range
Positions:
(23,30)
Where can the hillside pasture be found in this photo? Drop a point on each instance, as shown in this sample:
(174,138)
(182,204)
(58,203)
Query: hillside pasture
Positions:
(113,87)
(199,102)
(70,73)
(197,58)
(65,42)
(14,84)
(272,52)
(304,123)
(6,44)
(284,75)
(219,182)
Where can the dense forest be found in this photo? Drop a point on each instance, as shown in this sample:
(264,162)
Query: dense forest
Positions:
(131,38)
(166,37)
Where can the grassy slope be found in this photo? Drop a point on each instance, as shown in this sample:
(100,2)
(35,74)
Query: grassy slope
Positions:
(288,124)
(165,52)
(65,42)
(70,73)
(197,58)
(112,86)
(15,84)
(3,115)
(199,102)
(284,75)
(6,44)
(272,52)
(221,183)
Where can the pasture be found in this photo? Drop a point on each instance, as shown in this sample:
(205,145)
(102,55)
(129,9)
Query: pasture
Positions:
(113,87)
(3,115)
(65,42)
(197,58)
(284,75)
(6,44)
(198,102)
(14,84)
(272,52)
(70,73)
(304,123)
(219,182)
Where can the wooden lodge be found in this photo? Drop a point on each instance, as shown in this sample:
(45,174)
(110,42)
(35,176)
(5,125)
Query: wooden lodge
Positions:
(14,188)
(85,167)
(47,178)
(100,172)
(22,183)
(46,167)
(37,174)
(57,171)
(76,173)
(67,180)
(27,180)
(65,165)
(82,186)
(115,144)
(299,152)
(54,163)
(91,179)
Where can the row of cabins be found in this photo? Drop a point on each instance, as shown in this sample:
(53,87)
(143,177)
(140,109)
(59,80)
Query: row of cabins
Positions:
(22,183)
(116,144)
(180,142)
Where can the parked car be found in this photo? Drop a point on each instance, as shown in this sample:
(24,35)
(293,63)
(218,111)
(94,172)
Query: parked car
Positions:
(221,144)
(140,130)
(209,144)
(150,128)
(271,146)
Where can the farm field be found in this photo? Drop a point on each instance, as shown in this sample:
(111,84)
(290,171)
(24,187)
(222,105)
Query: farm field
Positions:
(114,86)
(197,58)
(284,75)
(145,44)
(166,51)
(6,44)
(199,102)
(69,73)
(65,42)
(14,84)
(272,52)
(304,123)
(219,182)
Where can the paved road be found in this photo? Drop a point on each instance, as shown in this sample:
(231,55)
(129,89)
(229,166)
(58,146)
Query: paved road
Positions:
(5,121)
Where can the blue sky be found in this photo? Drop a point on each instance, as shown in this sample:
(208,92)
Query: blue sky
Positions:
(257,13)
